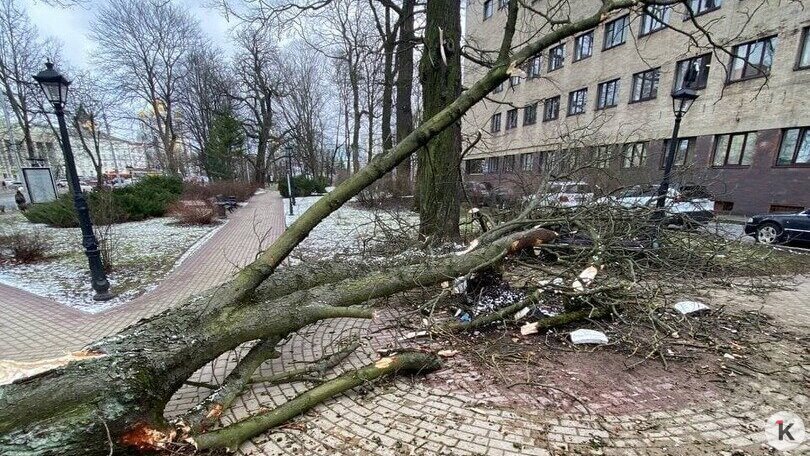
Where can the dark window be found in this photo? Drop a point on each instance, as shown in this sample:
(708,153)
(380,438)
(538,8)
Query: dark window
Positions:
(526,162)
(576,101)
(704,6)
(556,57)
(511,118)
(491,165)
(603,156)
(804,50)
(699,69)
(607,94)
(509,164)
(635,155)
(530,114)
(752,59)
(723,206)
(487,9)
(583,46)
(685,146)
(795,148)
(495,123)
(498,88)
(735,149)
(514,81)
(655,18)
(533,67)
(503,4)
(645,85)
(784,208)
(615,32)
(551,108)
(475,166)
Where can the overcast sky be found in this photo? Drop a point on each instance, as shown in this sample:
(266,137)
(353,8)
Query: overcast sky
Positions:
(71,26)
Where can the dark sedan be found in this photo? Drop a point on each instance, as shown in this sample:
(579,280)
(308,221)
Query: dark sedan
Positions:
(779,228)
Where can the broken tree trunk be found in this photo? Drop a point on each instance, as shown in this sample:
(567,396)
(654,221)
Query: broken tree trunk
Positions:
(115,398)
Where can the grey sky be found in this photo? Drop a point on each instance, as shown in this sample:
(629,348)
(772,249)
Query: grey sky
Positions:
(71,26)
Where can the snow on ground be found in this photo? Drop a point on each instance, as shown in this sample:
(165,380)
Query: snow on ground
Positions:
(350,230)
(145,252)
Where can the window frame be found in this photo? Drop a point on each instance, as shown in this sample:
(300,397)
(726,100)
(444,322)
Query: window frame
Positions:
(729,142)
(699,12)
(496,160)
(526,158)
(804,43)
(502,4)
(514,81)
(571,95)
(577,41)
(511,119)
(488,6)
(642,157)
(526,110)
(642,98)
(498,88)
(657,24)
(508,163)
(626,22)
(690,149)
(495,121)
(468,163)
(687,61)
(803,132)
(600,91)
(746,64)
(555,101)
(551,58)
(534,67)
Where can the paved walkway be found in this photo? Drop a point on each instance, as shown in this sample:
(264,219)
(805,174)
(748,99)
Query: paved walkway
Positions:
(444,413)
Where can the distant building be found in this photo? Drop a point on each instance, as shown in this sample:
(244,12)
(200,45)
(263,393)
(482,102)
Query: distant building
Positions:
(602,98)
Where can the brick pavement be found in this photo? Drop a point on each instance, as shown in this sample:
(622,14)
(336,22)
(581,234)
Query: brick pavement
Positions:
(413,416)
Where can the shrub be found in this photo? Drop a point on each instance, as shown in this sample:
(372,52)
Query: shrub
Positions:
(194,212)
(24,247)
(240,190)
(303,186)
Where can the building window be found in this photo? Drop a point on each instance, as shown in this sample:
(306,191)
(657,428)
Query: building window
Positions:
(804,50)
(576,101)
(498,88)
(685,146)
(530,114)
(752,59)
(503,4)
(602,157)
(698,66)
(509,164)
(551,108)
(583,46)
(487,9)
(495,123)
(514,81)
(533,67)
(491,165)
(655,18)
(704,6)
(615,32)
(645,85)
(734,149)
(795,148)
(635,155)
(475,166)
(556,57)
(607,95)
(526,162)
(511,118)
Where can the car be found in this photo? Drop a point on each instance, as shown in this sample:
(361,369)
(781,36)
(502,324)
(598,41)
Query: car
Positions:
(688,205)
(565,194)
(484,194)
(779,228)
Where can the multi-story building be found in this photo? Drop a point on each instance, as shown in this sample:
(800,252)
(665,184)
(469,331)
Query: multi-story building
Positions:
(597,106)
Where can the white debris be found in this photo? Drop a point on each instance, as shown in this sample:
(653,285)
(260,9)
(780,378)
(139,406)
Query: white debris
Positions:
(528,328)
(413,335)
(585,278)
(460,285)
(470,248)
(447,353)
(687,307)
(588,336)
(522,313)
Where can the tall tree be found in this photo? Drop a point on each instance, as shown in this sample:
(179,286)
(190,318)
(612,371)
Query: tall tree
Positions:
(404,92)
(439,161)
(224,148)
(141,47)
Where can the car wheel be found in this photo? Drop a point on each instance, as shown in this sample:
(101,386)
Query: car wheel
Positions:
(769,233)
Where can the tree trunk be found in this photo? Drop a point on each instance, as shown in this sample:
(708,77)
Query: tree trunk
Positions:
(405,92)
(439,161)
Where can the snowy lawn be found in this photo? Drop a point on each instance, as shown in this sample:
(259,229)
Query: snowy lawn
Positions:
(144,253)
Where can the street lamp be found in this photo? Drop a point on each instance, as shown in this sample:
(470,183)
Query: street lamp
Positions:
(55,87)
(290,192)
(682,100)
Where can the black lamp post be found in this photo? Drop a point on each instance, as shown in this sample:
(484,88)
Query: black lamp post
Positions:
(290,191)
(682,100)
(55,87)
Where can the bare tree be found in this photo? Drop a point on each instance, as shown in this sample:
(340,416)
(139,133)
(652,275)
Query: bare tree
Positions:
(141,48)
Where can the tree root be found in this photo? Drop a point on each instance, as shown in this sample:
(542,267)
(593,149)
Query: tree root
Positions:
(231,436)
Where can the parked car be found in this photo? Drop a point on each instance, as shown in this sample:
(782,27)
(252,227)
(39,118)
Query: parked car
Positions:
(566,194)
(484,194)
(779,228)
(688,205)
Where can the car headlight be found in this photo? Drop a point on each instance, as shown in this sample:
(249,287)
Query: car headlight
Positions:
(750,220)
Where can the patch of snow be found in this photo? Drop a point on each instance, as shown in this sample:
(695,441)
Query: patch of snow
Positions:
(588,336)
(687,307)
